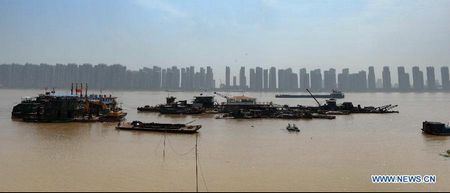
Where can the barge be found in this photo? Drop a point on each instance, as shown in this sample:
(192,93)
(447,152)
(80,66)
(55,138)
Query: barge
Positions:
(334,95)
(158,127)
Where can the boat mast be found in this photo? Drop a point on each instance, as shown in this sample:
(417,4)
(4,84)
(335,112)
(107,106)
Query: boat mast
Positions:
(196,162)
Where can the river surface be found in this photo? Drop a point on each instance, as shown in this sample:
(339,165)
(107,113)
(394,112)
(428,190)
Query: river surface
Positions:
(234,155)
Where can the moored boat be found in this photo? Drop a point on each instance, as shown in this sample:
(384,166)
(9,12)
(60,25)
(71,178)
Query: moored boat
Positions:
(113,116)
(292,128)
(435,128)
(159,127)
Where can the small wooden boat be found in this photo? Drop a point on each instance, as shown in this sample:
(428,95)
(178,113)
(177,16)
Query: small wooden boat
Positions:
(159,127)
(292,128)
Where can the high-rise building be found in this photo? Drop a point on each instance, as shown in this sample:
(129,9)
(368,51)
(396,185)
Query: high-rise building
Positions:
(304,79)
(316,80)
(431,79)
(357,81)
(281,80)
(330,79)
(259,79)
(371,78)
(252,84)
(234,82)
(183,83)
(242,79)
(418,81)
(362,80)
(209,78)
(227,77)
(266,79)
(273,79)
(293,82)
(290,80)
(192,75)
(387,85)
(445,78)
(344,80)
(403,79)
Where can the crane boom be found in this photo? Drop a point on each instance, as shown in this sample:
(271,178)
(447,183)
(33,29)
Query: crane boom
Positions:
(313,97)
(222,95)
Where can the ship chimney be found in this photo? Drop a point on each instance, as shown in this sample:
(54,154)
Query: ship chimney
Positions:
(85,93)
(81,90)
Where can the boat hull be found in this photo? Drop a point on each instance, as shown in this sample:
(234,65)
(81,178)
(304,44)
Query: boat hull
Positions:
(435,128)
(308,96)
(158,127)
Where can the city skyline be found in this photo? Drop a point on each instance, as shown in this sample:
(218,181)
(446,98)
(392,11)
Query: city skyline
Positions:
(189,78)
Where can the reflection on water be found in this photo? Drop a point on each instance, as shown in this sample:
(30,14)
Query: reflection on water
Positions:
(235,155)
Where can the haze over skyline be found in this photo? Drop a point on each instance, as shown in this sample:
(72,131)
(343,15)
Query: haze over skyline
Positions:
(143,33)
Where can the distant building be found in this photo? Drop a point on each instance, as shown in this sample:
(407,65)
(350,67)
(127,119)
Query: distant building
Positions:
(252,84)
(358,81)
(273,79)
(431,79)
(266,79)
(242,79)
(371,79)
(403,79)
(387,84)
(259,79)
(418,80)
(330,79)
(316,80)
(281,80)
(344,80)
(445,78)
(227,77)
(304,79)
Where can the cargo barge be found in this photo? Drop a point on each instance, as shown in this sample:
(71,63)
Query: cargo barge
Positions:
(159,127)
(334,94)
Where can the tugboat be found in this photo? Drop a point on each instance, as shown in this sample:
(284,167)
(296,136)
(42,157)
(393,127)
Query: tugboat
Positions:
(292,128)
(159,127)
(435,128)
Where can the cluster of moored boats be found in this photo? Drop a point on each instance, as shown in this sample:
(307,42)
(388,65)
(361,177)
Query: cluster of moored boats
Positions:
(244,107)
(74,107)
(81,107)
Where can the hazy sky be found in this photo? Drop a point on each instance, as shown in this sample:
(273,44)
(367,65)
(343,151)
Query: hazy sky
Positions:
(137,33)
